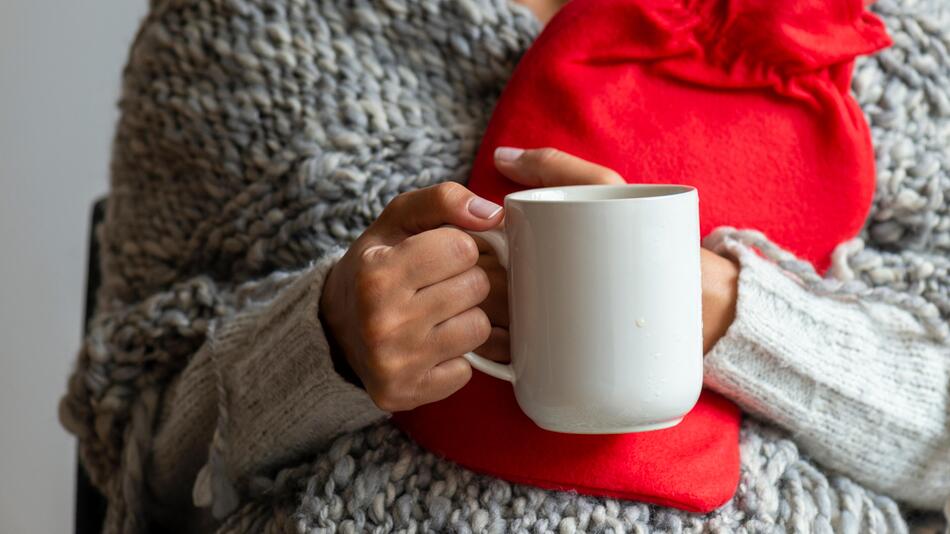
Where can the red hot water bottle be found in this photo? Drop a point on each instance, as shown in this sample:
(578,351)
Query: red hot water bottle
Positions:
(746,100)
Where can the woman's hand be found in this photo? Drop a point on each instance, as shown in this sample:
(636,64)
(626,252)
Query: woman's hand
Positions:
(547,167)
(402,303)
(720,290)
(540,167)
(410,297)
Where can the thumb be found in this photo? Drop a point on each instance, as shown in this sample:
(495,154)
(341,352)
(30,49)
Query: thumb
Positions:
(443,204)
(549,167)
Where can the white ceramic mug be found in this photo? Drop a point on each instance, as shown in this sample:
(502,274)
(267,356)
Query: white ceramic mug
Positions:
(604,297)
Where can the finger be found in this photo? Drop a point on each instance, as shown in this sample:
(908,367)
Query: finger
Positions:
(433,256)
(443,380)
(549,167)
(483,246)
(495,304)
(439,205)
(458,335)
(498,346)
(439,302)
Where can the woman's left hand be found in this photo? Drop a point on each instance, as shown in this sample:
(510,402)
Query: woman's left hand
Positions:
(549,167)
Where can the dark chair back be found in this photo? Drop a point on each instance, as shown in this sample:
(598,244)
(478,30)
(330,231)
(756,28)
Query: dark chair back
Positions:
(90,504)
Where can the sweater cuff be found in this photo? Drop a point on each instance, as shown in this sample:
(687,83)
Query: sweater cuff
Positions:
(279,396)
(858,383)
(762,355)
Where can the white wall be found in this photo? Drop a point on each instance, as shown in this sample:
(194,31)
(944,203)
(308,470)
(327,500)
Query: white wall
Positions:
(60,63)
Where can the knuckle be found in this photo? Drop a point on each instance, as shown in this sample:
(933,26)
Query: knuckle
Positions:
(373,255)
(416,396)
(386,368)
(479,283)
(386,398)
(546,155)
(377,329)
(397,204)
(464,247)
(448,193)
(481,326)
(371,282)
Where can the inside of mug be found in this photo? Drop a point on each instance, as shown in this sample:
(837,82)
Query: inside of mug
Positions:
(594,193)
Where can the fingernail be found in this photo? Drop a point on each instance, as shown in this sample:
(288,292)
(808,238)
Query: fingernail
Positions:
(483,209)
(508,153)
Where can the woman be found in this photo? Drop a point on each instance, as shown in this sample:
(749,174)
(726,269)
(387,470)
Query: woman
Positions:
(236,337)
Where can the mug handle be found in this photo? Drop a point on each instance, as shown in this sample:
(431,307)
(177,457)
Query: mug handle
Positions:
(499,243)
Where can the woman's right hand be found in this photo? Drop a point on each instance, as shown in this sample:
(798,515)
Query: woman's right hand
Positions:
(402,303)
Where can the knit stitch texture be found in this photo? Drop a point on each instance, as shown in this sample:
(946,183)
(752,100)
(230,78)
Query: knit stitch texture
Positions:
(257,137)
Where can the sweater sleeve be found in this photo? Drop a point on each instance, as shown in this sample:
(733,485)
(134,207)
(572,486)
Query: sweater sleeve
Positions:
(263,391)
(252,141)
(860,376)
(258,394)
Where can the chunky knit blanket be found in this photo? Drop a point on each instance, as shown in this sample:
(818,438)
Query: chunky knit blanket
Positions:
(257,136)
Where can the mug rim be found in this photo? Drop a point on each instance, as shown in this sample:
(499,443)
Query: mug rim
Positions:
(527,196)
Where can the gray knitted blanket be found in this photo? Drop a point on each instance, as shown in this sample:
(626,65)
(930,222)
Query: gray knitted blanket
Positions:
(258,134)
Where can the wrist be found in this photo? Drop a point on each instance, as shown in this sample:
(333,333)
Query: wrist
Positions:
(327,319)
(720,283)
(340,364)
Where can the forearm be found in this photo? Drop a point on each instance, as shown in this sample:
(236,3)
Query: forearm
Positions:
(863,385)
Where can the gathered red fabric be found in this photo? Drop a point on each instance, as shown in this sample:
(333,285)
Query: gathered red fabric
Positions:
(746,100)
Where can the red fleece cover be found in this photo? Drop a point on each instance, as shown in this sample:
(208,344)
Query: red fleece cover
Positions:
(747,100)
